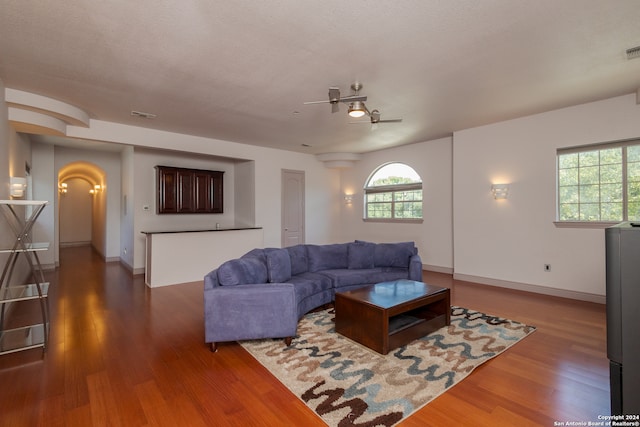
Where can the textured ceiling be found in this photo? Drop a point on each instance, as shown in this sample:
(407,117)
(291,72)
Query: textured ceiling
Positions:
(240,70)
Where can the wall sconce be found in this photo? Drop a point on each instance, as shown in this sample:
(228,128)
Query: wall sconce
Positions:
(348,199)
(62,187)
(500,191)
(17,185)
(96,189)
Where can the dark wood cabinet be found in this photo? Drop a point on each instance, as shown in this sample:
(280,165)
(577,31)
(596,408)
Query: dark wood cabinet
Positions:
(182,190)
(167,190)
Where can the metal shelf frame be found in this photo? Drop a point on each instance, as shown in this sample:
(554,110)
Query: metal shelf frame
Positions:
(32,336)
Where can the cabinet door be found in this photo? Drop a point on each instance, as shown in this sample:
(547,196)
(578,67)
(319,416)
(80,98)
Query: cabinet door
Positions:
(185,191)
(203,192)
(216,192)
(167,190)
(182,190)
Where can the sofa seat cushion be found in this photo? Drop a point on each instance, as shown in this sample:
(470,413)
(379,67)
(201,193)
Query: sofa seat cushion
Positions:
(312,290)
(307,284)
(348,277)
(242,271)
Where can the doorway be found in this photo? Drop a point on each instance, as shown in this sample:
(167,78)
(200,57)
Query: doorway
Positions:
(81,218)
(293,204)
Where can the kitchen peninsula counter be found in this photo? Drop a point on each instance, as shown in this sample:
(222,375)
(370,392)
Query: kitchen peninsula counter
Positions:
(182,256)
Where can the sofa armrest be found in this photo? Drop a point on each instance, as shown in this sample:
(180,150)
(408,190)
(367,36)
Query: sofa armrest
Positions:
(211,280)
(252,311)
(415,268)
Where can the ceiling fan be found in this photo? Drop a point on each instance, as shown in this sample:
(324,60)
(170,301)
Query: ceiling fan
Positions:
(356,100)
(374,117)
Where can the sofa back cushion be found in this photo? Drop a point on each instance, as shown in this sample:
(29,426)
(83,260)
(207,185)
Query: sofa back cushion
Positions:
(394,254)
(361,255)
(278,265)
(256,253)
(299,259)
(327,257)
(242,271)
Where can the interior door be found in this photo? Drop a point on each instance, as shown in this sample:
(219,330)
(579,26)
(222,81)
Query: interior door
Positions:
(292,207)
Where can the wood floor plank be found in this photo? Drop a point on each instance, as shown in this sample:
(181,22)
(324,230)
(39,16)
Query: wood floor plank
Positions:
(51,412)
(103,402)
(123,354)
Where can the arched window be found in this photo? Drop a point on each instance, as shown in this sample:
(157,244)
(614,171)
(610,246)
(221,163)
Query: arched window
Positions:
(393,192)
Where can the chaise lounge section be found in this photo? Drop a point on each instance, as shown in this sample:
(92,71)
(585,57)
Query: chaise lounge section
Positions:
(264,293)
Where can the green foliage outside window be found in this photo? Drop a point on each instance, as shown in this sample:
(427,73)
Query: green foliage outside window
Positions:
(383,201)
(597,184)
(391,180)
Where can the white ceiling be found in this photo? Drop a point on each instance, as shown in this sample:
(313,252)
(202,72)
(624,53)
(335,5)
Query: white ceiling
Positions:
(240,70)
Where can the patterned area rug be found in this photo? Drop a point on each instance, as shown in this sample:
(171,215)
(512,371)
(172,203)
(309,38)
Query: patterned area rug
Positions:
(348,384)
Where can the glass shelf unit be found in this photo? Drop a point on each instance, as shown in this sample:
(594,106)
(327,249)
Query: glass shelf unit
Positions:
(21,216)
(23,338)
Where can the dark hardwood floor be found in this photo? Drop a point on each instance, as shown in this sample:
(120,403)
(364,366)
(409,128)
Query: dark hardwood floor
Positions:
(125,355)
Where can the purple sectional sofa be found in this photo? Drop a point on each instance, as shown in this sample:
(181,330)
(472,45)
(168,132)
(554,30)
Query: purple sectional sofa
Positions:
(265,292)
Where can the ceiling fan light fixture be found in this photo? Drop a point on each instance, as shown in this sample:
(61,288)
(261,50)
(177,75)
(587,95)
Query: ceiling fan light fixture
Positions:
(357,109)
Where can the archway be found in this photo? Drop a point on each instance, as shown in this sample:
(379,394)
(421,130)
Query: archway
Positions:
(82,205)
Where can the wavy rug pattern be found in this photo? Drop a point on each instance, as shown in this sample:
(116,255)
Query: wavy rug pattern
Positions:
(347,384)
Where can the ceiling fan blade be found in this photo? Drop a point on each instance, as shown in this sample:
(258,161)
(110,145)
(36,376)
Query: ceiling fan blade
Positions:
(334,95)
(390,121)
(315,102)
(353,98)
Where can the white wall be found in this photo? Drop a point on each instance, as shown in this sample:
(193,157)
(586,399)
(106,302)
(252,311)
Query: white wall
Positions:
(44,187)
(126,212)
(245,194)
(511,240)
(432,161)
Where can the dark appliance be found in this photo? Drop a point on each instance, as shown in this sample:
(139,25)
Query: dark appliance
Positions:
(623,316)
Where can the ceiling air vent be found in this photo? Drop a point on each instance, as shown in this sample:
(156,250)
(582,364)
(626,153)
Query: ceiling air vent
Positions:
(633,53)
(143,115)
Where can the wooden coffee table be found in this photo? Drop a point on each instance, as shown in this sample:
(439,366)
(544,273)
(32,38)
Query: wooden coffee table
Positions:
(391,314)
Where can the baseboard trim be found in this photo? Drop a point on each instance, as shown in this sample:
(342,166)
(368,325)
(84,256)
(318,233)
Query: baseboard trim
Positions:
(130,269)
(437,269)
(47,267)
(127,266)
(537,289)
(74,244)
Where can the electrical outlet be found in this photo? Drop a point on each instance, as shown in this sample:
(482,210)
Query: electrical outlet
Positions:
(547,267)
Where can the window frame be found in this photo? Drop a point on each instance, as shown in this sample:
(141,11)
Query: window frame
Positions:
(623,145)
(393,189)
